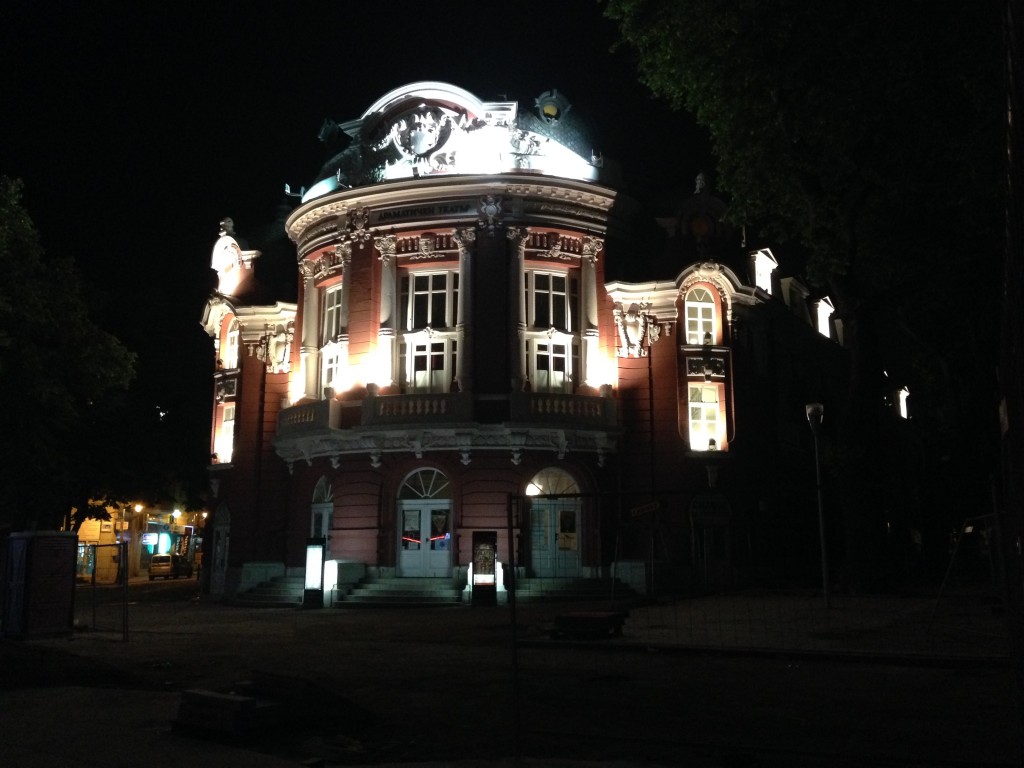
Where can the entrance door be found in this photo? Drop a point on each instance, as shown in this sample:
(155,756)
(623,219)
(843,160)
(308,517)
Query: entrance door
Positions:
(425,546)
(554,538)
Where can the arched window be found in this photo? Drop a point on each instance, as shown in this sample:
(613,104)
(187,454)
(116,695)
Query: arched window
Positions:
(425,484)
(230,357)
(552,481)
(700,316)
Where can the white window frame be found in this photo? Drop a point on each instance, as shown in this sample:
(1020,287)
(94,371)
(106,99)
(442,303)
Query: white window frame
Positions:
(432,347)
(332,361)
(543,359)
(705,417)
(700,314)
(224,443)
(231,344)
(552,337)
(432,339)
(570,320)
(331,328)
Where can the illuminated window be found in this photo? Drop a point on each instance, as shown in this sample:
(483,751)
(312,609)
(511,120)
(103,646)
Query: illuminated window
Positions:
(705,421)
(903,394)
(428,352)
(429,300)
(331,315)
(700,316)
(764,265)
(824,310)
(552,333)
(331,361)
(551,364)
(224,443)
(552,301)
(231,347)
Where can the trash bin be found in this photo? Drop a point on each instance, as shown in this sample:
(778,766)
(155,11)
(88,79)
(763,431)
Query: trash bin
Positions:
(39,584)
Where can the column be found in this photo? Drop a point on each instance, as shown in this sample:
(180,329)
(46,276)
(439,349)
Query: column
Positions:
(464,325)
(518,238)
(384,365)
(309,350)
(588,265)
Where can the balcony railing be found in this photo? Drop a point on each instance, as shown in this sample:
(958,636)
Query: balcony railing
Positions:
(417,409)
(536,408)
(309,417)
(569,410)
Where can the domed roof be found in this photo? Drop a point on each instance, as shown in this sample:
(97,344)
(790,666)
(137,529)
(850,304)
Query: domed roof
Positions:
(434,129)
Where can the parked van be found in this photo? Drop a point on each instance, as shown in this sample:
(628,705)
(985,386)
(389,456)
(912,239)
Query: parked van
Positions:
(169,567)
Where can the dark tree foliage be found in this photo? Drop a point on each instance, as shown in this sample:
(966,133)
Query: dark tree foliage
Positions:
(59,377)
(867,136)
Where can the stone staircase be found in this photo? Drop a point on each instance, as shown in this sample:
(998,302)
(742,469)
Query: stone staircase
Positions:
(393,592)
(279,592)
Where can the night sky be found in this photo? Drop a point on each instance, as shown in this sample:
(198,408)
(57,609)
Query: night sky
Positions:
(137,127)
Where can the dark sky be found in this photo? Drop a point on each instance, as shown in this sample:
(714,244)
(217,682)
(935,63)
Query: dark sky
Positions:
(136,127)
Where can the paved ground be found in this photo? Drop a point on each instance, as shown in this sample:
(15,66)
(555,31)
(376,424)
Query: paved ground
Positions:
(381,687)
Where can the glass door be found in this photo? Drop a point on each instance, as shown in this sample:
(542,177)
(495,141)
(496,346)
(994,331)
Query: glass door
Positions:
(426,539)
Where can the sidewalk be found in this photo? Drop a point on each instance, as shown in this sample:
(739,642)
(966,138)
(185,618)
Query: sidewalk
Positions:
(446,687)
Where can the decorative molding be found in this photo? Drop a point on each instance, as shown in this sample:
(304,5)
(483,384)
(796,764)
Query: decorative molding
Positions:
(490,213)
(387,246)
(463,442)
(634,326)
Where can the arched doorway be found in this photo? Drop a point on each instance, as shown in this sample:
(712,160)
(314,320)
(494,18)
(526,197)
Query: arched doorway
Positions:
(555,534)
(321,510)
(424,523)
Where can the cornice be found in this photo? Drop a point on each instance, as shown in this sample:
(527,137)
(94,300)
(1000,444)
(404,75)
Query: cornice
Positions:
(462,440)
(561,197)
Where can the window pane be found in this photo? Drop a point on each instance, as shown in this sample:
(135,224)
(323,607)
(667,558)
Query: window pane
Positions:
(437,313)
(558,312)
(420,318)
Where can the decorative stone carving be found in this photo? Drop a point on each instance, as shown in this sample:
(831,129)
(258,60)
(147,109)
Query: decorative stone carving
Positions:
(387,246)
(634,326)
(490,213)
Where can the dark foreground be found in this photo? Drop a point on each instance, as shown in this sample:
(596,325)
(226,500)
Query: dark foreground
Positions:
(448,685)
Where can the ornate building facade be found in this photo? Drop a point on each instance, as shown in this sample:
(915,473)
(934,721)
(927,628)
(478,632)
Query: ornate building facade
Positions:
(461,366)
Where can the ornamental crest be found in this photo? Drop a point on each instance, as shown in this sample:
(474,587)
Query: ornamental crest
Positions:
(634,326)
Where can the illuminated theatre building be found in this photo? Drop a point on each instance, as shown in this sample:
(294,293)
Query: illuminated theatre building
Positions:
(459,368)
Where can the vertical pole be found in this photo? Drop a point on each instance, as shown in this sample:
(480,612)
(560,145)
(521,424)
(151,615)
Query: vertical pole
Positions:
(821,522)
(510,575)
(124,581)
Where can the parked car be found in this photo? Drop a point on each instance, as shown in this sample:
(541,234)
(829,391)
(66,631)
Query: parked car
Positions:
(169,567)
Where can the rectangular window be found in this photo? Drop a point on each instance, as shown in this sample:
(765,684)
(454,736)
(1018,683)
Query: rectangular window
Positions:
(331,315)
(427,364)
(552,336)
(705,424)
(552,300)
(429,300)
(330,365)
(428,316)
(231,349)
(224,443)
(552,364)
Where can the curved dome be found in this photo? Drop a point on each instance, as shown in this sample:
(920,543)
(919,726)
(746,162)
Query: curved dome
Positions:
(435,129)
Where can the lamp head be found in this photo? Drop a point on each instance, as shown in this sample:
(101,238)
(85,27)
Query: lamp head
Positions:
(815,412)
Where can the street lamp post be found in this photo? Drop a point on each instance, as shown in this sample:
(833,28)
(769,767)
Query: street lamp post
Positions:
(815,411)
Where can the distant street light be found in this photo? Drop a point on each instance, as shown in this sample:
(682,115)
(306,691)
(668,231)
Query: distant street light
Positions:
(815,411)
